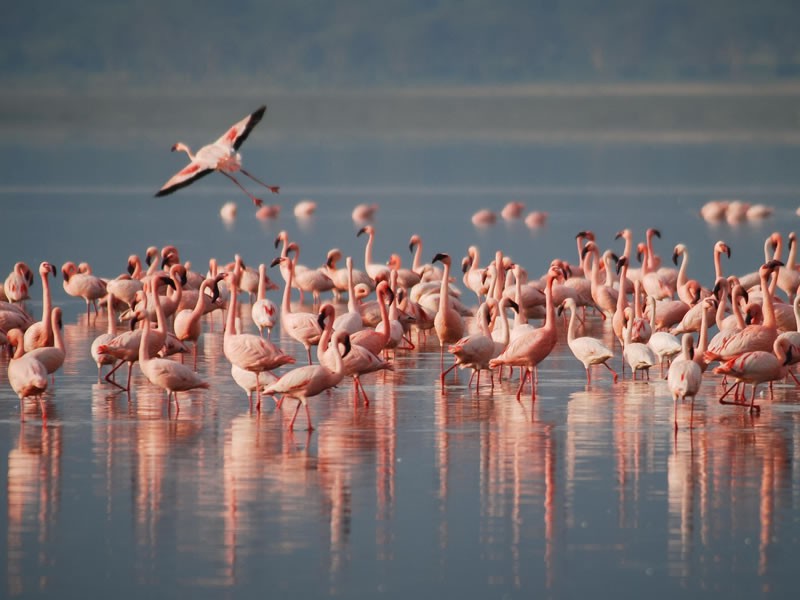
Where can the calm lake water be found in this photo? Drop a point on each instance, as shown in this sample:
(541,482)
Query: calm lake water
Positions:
(430,489)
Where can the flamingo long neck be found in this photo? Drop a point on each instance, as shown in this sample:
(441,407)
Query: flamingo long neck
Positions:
(200,305)
(161,319)
(47,306)
(628,237)
(58,336)
(768,307)
(144,350)
(444,296)
(112,317)
(595,281)
(387,330)
(262,282)
(368,249)
(723,306)
(637,299)
(682,277)
(286,305)
(572,329)
(550,309)
(717,263)
(651,258)
(230,324)
(505,334)
(652,301)
(609,270)
(702,341)
(579,240)
(19,349)
(338,363)
(622,298)
(501,276)
(181,147)
(792,258)
(324,340)
(417,266)
(394,313)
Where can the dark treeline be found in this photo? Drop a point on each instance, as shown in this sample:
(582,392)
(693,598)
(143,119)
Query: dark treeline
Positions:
(360,42)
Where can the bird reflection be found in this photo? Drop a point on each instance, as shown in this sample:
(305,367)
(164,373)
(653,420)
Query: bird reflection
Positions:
(34,492)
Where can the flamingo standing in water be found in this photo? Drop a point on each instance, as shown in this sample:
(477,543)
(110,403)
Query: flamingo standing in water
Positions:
(448,323)
(684,378)
(27,376)
(221,156)
(40,334)
(588,350)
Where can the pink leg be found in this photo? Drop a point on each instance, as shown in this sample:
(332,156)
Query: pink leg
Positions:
(297,410)
(272,188)
(308,416)
(616,377)
(256,201)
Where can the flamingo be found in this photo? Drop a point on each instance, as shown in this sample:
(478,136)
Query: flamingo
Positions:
(220,156)
(52,357)
(125,347)
(351,321)
(303,327)
(374,270)
(17,283)
(448,323)
(27,376)
(757,367)
(308,381)
(315,281)
(105,338)
(248,382)
(364,212)
(359,361)
(40,334)
(83,285)
(638,356)
(264,311)
(373,340)
(512,210)
(531,348)
(684,378)
(171,376)
(187,322)
(587,350)
(476,350)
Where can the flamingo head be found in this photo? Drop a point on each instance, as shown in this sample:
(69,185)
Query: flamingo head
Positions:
(589,247)
(46,269)
(278,260)
(622,262)
(414,242)
(641,250)
(679,249)
(68,269)
(721,247)
(442,258)
(150,254)
(653,232)
(366,229)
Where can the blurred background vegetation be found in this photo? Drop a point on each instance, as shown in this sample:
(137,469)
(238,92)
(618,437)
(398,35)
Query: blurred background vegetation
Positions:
(324,43)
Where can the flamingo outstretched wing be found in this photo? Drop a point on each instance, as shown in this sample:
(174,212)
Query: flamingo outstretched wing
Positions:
(189,174)
(237,134)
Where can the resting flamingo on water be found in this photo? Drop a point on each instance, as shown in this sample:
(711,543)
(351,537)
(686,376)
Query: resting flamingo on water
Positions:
(221,156)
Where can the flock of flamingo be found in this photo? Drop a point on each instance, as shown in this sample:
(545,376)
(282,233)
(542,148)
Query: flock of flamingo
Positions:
(653,312)
(647,308)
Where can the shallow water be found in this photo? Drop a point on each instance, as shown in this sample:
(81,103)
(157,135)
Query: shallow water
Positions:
(429,489)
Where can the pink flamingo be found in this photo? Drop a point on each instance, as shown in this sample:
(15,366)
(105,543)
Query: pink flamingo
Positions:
(303,327)
(448,323)
(220,156)
(27,376)
(684,378)
(52,357)
(83,285)
(588,350)
(187,322)
(476,350)
(308,381)
(531,348)
(105,338)
(166,374)
(371,339)
(17,283)
(40,334)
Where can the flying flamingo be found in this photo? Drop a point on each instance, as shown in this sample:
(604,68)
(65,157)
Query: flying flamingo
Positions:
(308,381)
(40,334)
(684,378)
(221,156)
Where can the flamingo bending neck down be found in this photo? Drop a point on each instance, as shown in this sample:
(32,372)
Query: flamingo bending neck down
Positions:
(221,156)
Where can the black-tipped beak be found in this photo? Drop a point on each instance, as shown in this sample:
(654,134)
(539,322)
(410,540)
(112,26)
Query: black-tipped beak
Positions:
(774,264)
(560,309)
(215,291)
(696,297)
(174,148)
(148,259)
(745,295)
(65,274)
(580,235)
(390,295)
(639,255)
(347,346)
(361,231)
(619,235)
(134,321)
(277,241)
(717,288)
(513,305)
(329,263)
(675,258)
(748,318)
(586,249)
(275,261)
(656,233)
(788,360)
(412,246)
(321,320)
(622,262)
(168,281)
(131,268)
(465,264)
(728,250)
(439,257)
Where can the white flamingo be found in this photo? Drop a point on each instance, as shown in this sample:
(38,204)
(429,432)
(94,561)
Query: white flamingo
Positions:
(264,311)
(586,349)
(220,156)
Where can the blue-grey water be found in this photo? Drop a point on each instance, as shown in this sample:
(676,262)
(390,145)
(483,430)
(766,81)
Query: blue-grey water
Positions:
(430,489)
